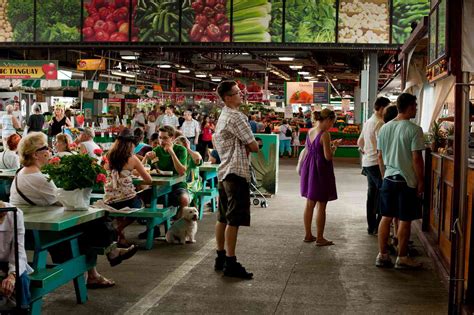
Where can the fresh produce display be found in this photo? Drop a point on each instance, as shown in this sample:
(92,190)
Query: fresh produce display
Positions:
(108,21)
(364,21)
(351,129)
(251,20)
(58,20)
(310,21)
(158,20)
(18,16)
(6,31)
(406,12)
(276,24)
(211,21)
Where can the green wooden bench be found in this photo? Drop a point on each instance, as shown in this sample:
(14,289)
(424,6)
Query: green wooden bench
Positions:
(41,279)
(204,196)
(153,217)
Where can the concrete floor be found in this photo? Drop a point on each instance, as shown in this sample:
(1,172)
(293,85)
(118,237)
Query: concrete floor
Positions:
(290,277)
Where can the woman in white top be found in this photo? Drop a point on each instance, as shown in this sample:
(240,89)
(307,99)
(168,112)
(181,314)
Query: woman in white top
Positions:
(9,159)
(9,124)
(63,145)
(30,186)
(7,256)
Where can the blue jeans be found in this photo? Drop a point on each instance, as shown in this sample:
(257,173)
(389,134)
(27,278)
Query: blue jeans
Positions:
(374,181)
(192,146)
(285,146)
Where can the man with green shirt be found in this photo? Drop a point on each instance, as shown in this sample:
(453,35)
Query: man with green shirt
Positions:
(400,144)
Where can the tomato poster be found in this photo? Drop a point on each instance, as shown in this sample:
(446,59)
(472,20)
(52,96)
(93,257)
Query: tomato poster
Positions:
(299,93)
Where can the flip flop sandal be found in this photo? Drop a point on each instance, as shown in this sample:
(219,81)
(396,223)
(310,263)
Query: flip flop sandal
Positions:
(100,283)
(325,243)
(312,239)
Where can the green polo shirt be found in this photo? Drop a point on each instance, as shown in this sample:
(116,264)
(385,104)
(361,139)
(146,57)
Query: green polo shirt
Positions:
(165,162)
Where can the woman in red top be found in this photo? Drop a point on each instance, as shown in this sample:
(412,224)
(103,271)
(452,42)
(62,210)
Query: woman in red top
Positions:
(207,129)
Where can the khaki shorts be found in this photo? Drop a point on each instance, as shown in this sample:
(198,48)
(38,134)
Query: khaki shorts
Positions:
(234,201)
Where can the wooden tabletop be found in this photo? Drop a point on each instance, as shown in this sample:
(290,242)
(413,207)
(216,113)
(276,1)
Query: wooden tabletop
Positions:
(209,167)
(55,218)
(157,180)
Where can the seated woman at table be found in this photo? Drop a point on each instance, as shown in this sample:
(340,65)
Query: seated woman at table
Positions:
(139,135)
(9,158)
(31,187)
(63,145)
(154,142)
(119,189)
(7,256)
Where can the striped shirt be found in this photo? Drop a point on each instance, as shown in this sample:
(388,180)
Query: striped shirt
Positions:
(170,121)
(233,133)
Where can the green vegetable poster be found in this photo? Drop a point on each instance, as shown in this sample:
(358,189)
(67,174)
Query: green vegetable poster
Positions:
(207,21)
(158,20)
(16,20)
(265,163)
(58,21)
(310,21)
(108,21)
(364,21)
(257,21)
(406,12)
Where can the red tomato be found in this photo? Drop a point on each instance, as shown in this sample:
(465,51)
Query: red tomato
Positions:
(119,3)
(119,23)
(213,32)
(102,36)
(225,28)
(89,22)
(210,3)
(99,25)
(196,32)
(95,17)
(98,3)
(110,27)
(110,17)
(123,28)
(204,39)
(201,20)
(226,39)
(209,12)
(118,37)
(103,12)
(88,32)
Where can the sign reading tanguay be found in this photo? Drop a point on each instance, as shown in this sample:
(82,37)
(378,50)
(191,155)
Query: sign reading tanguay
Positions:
(29,69)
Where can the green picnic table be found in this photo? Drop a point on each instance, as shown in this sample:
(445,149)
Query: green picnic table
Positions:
(161,186)
(52,225)
(208,173)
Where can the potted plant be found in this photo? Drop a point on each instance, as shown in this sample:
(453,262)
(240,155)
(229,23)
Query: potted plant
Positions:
(75,175)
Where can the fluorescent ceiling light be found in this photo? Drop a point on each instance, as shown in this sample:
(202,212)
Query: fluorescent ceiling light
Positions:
(123,74)
(201,75)
(286,58)
(335,79)
(296,67)
(308,77)
(319,75)
(129,57)
(303,72)
(238,70)
(184,70)
(216,79)
(245,53)
(321,70)
(165,66)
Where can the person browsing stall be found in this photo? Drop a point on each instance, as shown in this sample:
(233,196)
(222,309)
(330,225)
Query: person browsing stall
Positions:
(58,121)
(191,129)
(36,119)
(400,144)
(233,141)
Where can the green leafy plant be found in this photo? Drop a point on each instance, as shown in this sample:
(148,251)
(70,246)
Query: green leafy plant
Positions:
(75,172)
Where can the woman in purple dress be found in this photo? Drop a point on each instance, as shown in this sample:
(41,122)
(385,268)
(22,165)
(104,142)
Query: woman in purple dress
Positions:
(318,184)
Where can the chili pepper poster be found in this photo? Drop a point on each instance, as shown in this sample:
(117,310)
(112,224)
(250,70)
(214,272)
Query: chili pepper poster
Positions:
(58,21)
(310,21)
(405,12)
(158,20)
(108,21)
(257,21)
(208,21)
(364,21)
(17,20)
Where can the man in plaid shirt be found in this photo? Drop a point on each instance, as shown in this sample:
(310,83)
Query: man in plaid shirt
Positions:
(233,141)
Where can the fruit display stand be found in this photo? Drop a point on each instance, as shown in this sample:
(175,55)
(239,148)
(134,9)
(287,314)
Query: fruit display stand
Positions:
(348,146)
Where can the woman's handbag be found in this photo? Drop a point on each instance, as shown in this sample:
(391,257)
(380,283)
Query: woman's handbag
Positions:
(301,159)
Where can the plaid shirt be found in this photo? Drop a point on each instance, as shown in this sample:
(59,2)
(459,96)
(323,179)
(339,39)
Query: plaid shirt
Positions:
(232,134)
(191,128)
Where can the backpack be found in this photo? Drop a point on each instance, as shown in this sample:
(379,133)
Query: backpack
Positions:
(288,132)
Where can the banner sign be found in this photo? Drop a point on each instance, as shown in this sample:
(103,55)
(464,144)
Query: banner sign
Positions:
(31,69)
(321,92)
(299,93)
(90,64)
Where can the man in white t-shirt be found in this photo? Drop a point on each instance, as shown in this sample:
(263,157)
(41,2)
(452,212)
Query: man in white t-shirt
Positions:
(367,143)
(191,129)
(169,119)
(86,142)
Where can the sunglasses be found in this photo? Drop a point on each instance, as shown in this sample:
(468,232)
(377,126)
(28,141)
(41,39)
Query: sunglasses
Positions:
(43,148)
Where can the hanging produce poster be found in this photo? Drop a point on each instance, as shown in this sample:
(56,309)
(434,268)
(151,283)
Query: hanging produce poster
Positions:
(29,69)
(406,12)
(310,21)
(16,20)
(321,92)
(442,28)
(158,20)
(299,93)
(107,21)
(58,21)
(208,21)
(257,21)
(364,21)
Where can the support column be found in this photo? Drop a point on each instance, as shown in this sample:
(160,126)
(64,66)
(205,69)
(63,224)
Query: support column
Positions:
(369,84)
(357,106)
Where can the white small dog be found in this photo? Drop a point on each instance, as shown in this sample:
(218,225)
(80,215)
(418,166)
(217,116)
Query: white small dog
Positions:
(184,229)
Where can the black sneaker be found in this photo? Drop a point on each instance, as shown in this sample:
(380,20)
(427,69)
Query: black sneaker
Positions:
(237,270)
(220,260)
(156,232)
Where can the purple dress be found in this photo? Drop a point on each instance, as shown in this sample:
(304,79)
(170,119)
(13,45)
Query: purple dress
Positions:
(317,181)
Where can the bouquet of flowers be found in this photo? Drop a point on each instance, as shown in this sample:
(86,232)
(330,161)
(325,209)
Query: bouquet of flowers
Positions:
(75,172)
